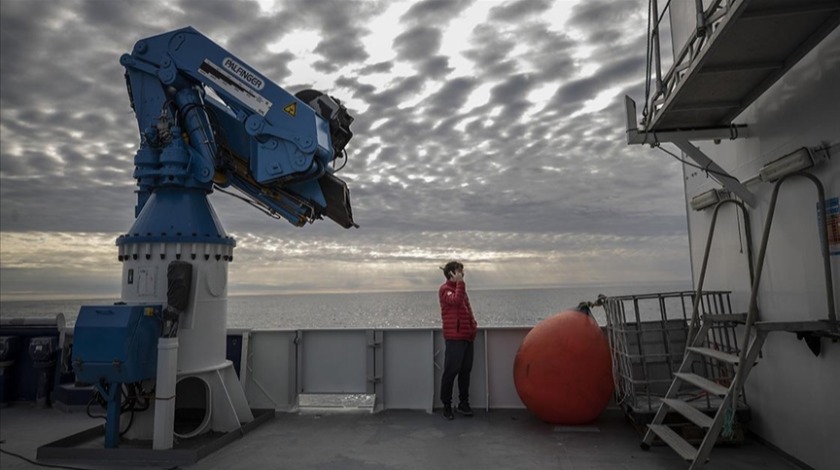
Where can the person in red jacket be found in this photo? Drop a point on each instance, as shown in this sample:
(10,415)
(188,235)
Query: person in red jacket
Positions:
(459,329)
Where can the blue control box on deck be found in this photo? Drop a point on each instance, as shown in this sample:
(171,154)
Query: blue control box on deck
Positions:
(116,343)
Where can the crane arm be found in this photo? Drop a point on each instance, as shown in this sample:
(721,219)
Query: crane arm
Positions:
(208,118)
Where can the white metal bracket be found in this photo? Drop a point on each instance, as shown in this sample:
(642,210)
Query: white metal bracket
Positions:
(683,138)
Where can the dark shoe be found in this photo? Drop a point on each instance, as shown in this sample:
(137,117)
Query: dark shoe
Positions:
(464,409)
(447,412)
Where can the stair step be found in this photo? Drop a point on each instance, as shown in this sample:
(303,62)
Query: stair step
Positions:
(715,354)
(703,383)
(693,414)
(726,317)
(674,441)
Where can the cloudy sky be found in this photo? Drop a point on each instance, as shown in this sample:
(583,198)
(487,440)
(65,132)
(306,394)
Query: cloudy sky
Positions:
(487,131)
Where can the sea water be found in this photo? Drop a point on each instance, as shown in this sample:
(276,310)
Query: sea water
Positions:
(492,307)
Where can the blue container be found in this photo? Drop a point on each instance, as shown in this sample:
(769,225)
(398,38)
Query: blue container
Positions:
(116,343)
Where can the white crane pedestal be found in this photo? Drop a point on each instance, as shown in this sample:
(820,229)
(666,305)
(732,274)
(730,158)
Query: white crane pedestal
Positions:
(207,395)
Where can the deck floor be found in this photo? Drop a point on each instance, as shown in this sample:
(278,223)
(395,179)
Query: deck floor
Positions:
(499,439)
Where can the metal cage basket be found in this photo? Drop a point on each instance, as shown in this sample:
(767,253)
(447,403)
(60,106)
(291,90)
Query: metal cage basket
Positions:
(648,335)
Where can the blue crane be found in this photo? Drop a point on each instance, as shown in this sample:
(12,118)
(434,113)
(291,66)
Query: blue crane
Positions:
(207,121)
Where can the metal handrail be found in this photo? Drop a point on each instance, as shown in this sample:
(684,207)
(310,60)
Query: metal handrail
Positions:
(747,233)
(752,312)
(706,20)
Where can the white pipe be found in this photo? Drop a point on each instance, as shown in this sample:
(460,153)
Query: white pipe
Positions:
(167,373)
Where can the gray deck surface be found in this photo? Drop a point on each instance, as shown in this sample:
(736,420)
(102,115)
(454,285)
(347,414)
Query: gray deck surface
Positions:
(499,439)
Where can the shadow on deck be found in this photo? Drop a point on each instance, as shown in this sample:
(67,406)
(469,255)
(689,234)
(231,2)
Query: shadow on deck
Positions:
(504,439)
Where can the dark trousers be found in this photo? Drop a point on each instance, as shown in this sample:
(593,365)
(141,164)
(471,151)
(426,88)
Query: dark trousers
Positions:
(458,361)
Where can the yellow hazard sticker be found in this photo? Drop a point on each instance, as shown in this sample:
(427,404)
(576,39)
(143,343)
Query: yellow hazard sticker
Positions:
(291,109)
(149,311)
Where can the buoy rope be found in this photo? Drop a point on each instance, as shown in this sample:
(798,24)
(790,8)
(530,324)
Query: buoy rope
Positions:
(728,431)
(586,305)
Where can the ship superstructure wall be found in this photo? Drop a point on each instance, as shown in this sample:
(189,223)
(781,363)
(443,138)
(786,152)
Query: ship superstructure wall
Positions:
(793,393)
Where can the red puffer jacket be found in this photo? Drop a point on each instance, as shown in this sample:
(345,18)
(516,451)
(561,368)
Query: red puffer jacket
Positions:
(456,312)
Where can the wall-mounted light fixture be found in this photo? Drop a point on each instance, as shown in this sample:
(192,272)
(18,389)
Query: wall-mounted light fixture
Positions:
(706,199)
(798,160)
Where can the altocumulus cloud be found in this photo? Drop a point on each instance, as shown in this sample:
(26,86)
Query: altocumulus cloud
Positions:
(487,131)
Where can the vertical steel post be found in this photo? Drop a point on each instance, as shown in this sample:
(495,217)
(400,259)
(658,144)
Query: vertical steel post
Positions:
(112,420)
(655,37)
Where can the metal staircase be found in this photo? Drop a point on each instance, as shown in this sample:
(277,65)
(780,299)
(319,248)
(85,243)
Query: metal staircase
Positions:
(755,333)
(729,394)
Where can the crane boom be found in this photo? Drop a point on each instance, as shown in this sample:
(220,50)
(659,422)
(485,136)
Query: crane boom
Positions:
(278,149)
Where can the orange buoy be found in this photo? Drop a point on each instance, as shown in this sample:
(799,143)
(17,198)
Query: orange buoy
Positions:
(563,369)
